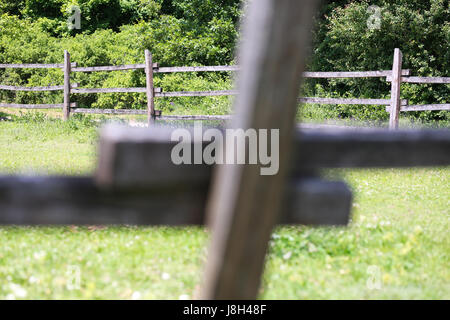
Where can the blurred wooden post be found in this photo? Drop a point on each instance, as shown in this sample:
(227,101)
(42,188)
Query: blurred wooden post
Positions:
(67,67)
(395,90)
(244,205)
(150,89)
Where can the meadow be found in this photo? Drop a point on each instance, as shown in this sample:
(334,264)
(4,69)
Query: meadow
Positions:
(397,245)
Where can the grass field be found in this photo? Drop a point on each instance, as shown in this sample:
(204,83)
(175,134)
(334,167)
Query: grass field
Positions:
(397,245)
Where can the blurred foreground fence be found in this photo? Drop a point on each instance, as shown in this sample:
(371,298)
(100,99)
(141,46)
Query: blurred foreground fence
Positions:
(394,105)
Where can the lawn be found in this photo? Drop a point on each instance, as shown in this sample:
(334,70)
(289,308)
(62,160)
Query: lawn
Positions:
(397,245)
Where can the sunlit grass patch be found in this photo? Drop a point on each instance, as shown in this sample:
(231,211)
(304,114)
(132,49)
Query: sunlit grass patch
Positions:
(396,246)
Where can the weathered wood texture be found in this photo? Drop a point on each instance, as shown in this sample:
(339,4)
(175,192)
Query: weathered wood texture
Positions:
(353,74)
(377,148)
(424,107)
(124,153)
(73,200)
(47,88)
(243,205)
(320,74)
(112,111)
(111,90)
(302,99)
(66,104)
(35,106)
(78,200)
(196,69)
(34,65)
(107,111)
(378,102)
(395,90)
(195,117)
(441,80)
(112,68)
(150,90)
(196,93)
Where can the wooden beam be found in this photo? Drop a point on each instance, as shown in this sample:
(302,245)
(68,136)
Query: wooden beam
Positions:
(321,74)
(35,106)
(35,65)
(425,107)
(79,201)
(158,69)
(124,153)
(440,80)
(150,90)
(378,102)
(66,105)
(47,88)
(196,93)
(302,99)
(395,90)
(113,68)
(196,69)
(443,106)
(371,148)
(352,74)
(243,205)
(107,111)
(195,117)
(111,90)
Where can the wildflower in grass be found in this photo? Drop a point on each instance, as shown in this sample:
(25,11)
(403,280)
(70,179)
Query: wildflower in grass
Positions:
(17,291)
(165,276)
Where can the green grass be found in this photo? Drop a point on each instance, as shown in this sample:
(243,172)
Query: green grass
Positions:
(374,117)
(35,143)
(397,245)
(400,227)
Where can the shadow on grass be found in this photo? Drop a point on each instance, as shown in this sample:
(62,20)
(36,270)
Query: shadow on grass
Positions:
(5,116)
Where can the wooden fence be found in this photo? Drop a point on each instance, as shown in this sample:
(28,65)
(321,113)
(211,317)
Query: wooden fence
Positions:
(394,105)
(135,170)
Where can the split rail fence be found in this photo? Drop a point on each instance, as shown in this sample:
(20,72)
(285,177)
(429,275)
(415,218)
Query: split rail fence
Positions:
(394,105)
(240,205)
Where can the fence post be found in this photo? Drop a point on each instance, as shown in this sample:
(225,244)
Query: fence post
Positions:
(150,89)
(66,107)
(395,89)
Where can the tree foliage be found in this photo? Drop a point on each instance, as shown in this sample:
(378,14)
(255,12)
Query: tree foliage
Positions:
(204,32)
(344,42)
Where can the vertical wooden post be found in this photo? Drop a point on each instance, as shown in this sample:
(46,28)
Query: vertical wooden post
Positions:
(150,89)
(395,90)
(244,205)
(66,106)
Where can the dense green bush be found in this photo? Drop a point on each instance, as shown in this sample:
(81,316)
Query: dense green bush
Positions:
(204,32)
(25,42)
(344,42)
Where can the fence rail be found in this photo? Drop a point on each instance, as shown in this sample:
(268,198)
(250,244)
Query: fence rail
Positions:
(112,68)
(396,76)
(440,80)
(425,107)
(377,102)
(111,90)
(352,74)
(34,65)
(35,106)
(47,88)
